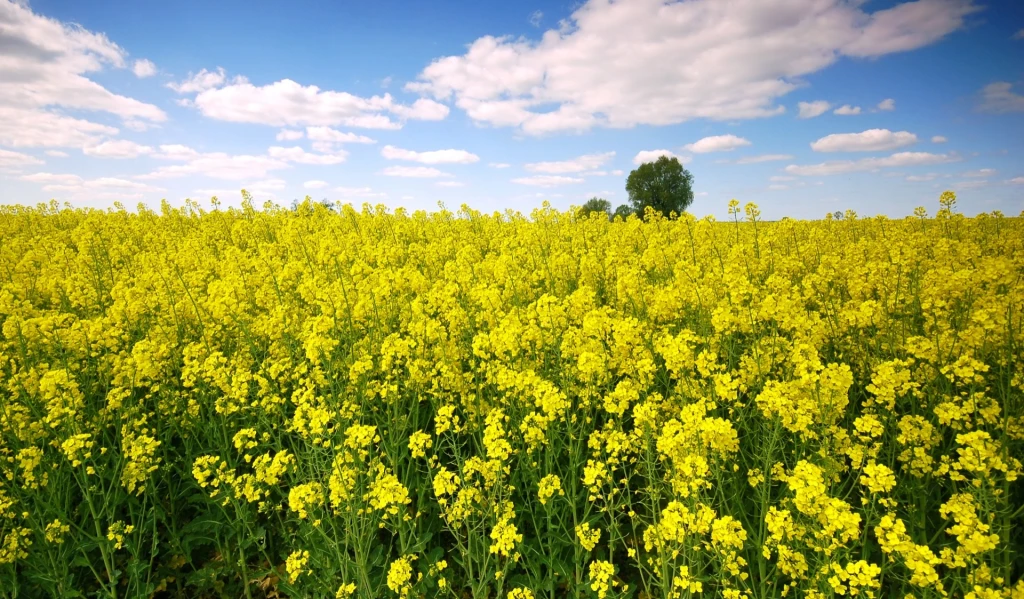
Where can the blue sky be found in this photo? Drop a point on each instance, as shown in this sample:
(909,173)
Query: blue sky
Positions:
(801,106)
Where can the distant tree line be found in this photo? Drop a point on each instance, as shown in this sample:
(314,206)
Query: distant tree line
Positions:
(663,185)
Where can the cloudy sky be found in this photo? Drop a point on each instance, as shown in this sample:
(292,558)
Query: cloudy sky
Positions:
(802,106)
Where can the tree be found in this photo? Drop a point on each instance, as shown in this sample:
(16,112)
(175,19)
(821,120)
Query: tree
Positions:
(596,204)
(623,210)
(663,185)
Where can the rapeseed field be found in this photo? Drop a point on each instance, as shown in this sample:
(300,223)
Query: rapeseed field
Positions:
(363,403)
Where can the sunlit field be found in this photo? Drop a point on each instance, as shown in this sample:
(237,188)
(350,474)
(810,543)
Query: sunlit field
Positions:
(356,402)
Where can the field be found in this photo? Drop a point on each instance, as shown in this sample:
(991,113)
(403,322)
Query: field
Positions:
(362,403)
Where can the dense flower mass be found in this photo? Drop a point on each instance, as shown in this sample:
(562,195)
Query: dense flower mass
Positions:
(355,403)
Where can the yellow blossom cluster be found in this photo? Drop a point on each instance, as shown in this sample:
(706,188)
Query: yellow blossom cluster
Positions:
(363,403)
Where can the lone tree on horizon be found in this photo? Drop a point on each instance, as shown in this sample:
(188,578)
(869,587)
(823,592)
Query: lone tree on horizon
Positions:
(663,185)
(596,204)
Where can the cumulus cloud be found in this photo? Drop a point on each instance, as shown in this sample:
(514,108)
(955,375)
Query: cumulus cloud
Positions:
(118,148)
(10,159)
(717,143)
(1017,180)
(143,68)
(887,104)
(415,172)
(431,157)
(450,184)
(56,153)
(999,97)
(287,103)
(265,188)
(547,180)
(498,164)
(872,140)
(809,110)
(359,192)
(315,184)
(763,158)
(982,172)
(289,135)
(898,159)
(66,186)
(327,134)
(217,165)
(298,155)
(939,139)
(199,82)
(575,165)
(605,66)
(847,110)
(921,178)
(653,155)
(45,68)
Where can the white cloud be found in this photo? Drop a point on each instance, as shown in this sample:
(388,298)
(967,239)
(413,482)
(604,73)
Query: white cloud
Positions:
(52,178)
(297,154)
(586,162)
(847,110)
(359,192)
(327,134)
(837,167)
(498,164)
(1017,180)
(605,65)
(143,68)
(887,104)
(9,159)
(536,17)
(76,188)
(416,172)
(653,155)
(44,65)
(717,143)
(983,172)
(431,157)
(176,152)
(617,173)
(217,165)
(315,184)
(56,153)
(265,188)
(547,180)
(288,103)
(872,140)
(920,178)
(450,184)
(939,139)
(779,178)
(1019,35)
(809,110)
(421,110)
(118,148)
(289,135)
(200,82)
(764,158)
(998,97)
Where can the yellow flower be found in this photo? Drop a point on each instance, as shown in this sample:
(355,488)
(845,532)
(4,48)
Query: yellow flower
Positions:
(588,536)
(296,564)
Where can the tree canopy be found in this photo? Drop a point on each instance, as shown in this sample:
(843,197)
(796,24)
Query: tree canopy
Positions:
(663,185)
(596,204)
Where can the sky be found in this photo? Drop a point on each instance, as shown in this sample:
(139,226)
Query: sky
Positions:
(803,107)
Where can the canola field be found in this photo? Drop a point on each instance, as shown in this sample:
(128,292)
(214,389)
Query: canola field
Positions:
(263,402)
